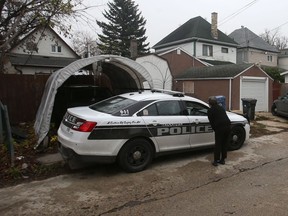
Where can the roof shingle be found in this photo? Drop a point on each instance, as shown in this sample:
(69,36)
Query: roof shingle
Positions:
(246,38)
(219,71)
(39,61)
(194,29)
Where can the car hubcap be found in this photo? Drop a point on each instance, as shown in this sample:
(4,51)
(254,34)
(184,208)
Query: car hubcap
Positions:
(137,155)
(235,138)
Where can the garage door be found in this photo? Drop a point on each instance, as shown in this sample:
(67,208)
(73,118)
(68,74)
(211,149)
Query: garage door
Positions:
(256,88)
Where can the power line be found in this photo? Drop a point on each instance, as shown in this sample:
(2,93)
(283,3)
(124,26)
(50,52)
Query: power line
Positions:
(226,19)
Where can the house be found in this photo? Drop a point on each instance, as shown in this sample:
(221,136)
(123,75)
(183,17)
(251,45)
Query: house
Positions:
(200,39)
(42,51)
(285,74)
(253,49)
(179,60)
(283,59)
(234,81)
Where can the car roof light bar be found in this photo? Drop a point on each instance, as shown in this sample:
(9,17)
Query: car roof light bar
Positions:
(170,92)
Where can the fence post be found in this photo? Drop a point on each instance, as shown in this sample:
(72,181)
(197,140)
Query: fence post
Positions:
(9,136)
(1,123)
(4,120)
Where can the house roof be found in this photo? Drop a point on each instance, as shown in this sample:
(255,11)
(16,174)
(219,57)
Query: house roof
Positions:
(194,29)
(39,61)
(284,73)
(215,72)
(246,38)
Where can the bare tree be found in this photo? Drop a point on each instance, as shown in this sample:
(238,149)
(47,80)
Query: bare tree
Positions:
(273,38)
(281,42)
(84,44)
(19,18)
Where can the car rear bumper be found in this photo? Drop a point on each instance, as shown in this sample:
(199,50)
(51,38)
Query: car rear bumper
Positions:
(69,154)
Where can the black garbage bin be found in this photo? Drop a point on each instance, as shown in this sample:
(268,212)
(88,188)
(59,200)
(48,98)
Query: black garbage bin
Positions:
(249,105)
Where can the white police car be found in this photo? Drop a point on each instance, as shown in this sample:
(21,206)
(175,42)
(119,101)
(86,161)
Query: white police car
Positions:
(133,128)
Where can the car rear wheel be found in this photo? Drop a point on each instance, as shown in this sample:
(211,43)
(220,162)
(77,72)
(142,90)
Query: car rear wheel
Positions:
(135,155)
(274,110)
(237,138)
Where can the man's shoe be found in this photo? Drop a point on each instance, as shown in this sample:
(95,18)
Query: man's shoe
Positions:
(214,163)
(222,162)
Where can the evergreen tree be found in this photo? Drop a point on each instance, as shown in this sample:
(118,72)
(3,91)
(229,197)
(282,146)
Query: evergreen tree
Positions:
(125,23)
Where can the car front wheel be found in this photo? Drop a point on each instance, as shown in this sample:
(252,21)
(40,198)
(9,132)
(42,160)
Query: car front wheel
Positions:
(237,138)
(135,155)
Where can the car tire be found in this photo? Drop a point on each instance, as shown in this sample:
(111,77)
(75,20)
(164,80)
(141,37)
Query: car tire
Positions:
(135,155)
(237,138)
(274,110)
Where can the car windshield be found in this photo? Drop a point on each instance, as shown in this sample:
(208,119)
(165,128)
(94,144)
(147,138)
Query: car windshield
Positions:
(112,105)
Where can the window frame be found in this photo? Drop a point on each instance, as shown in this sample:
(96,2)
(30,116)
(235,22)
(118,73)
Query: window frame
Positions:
(269,58)
(207,50)
(224,50)
(56,48)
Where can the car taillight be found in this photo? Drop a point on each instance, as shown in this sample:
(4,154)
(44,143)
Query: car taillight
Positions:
(85,126)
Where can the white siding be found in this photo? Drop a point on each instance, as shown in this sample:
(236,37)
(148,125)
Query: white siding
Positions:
(283,62)
(44,45)
(198,52)
(217,53)
(261,57)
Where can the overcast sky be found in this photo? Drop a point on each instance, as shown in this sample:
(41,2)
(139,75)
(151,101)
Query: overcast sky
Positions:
(164,16)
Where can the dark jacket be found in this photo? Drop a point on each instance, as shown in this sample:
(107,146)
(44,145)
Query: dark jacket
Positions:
(217,117)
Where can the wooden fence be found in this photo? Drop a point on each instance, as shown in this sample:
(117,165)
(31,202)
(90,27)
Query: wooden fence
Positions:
(22,95)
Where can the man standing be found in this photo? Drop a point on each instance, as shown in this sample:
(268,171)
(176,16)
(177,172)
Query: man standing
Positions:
(220,123)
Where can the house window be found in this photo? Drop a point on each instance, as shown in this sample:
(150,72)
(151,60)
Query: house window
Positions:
(207,50)
(56,48)
(224,50)
(188,87)
(269,58)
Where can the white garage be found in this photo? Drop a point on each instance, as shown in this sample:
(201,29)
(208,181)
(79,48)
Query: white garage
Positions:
(256,88)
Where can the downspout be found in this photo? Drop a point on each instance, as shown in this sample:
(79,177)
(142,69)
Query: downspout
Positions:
(230,93)
(194,50)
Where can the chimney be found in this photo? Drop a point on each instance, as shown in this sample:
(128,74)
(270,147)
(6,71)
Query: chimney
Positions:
(214,29)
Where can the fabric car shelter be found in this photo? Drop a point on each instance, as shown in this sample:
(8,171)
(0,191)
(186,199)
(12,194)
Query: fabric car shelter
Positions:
(134,72)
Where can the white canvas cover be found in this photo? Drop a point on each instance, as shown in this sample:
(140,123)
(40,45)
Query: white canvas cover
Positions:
(159,70)
(44,113)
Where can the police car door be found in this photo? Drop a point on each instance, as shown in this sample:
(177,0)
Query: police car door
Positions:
(201,131)
(167,125)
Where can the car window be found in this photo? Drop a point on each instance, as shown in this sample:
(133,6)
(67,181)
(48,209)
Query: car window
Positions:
(113,105)
(196,109)
(162,108)
(149,111)
(168,108)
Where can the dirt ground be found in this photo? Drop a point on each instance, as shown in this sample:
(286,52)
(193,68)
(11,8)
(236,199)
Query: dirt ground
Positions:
(27,167)
(252,182)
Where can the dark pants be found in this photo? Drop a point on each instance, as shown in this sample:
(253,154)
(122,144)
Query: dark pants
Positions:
(221,143)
